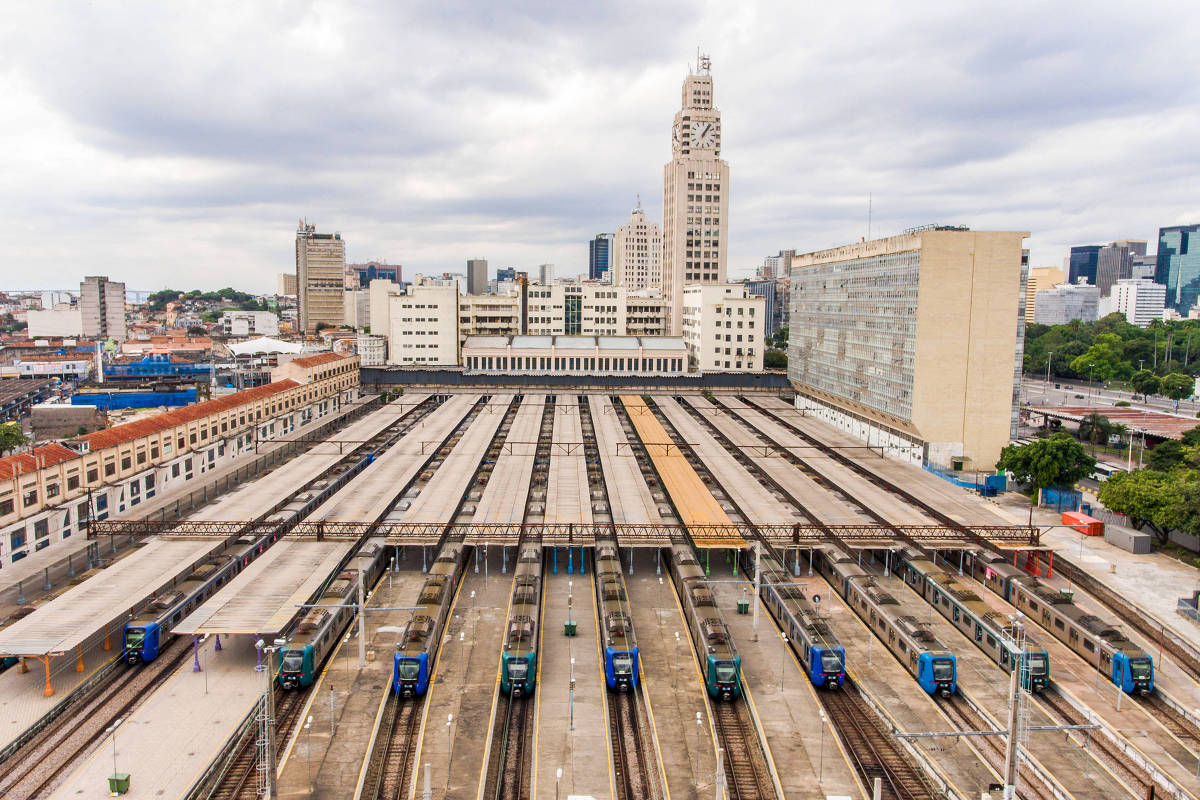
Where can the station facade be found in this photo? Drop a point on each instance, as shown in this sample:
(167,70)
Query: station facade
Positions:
(49,493)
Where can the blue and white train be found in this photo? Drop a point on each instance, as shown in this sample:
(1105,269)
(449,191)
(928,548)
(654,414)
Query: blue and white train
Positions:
(416,653)
(145,636)
(823,657)
(616,624)
(912,643)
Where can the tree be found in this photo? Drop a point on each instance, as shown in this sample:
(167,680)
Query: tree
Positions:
(1149,498)
(775,359)
(1095,428)
(1145,382)
(1165,455)
(1177,386)
(1057,461)
(197,330)
(11,437)
(1191,437)
(1103,359)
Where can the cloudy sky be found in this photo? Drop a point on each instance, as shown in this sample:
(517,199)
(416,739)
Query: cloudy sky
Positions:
(178,143)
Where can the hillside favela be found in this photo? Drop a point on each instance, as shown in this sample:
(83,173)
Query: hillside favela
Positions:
(614,402)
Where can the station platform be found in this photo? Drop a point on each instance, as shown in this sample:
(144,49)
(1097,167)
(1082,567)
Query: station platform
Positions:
(325,760)
(266,596)
(575,748)
(568,498)
(168,741)
(671,682)
(507,489)
(632,502)
(466,684)
(806,755)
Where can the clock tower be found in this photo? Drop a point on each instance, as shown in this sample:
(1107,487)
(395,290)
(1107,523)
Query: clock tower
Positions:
(695,196)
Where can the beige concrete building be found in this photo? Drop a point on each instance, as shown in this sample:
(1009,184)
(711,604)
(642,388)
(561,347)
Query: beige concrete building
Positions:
(422,326)
(912,342)
(574,355)
(1040,278)
(637,254)
(723,328)
(489,315)
(320,277)
(575,309)
(695,197)
(102,308)
(645,314)
(285,284)
(356,308)
(62,320)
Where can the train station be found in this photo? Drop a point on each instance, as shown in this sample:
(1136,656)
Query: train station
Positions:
(589,592)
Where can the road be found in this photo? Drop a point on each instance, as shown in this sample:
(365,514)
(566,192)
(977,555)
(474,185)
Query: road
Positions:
(1034,392)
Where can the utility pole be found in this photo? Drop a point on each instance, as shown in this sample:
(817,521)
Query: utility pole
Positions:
(362,616)
(757,583)
(1016,717)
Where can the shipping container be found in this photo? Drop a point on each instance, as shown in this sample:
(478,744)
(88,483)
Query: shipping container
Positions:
(1089,526)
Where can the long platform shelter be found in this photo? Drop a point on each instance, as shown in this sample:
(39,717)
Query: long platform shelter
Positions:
(104,601)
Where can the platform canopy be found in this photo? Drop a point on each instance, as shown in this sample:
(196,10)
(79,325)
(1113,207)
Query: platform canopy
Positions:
(105,599)
(266,596)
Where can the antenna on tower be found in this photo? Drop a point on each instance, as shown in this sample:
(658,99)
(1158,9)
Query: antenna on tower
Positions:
(639,201)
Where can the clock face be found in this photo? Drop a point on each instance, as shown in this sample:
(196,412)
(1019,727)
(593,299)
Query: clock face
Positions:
(705,134)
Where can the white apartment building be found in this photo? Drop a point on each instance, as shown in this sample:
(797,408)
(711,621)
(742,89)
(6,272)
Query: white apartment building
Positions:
(1067,302)
(723,328)
(637,254)
(1140,300)
(645,314)
(489,315)
(250,323)
(546,274)
(102,306)
(372,349)
(62,320)
(574,309)
(423,326)
(356,308)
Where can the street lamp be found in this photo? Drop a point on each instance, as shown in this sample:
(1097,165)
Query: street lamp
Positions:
(782,659)
(821,759)
(557,781)
(308,751)
(113,730)
(572,693)
(676,659)
(1046,394)
(1091,368)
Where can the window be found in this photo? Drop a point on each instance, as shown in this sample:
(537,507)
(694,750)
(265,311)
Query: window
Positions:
(51,490)
(126,463)
(29,498)
(110,469)
(93,475)
(6,506)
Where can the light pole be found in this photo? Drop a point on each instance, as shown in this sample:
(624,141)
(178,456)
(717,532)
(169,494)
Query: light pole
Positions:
(1048,361)
(572,693)
(113,730)
(1091,369)
(676,659)
(308,751)
(462,652)
(782,659)
(557,781)
(449,749)
(821,758)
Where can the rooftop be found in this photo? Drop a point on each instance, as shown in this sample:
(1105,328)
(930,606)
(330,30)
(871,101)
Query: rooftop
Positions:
(318,360)
(575,342)
(30,461)
(1154,423)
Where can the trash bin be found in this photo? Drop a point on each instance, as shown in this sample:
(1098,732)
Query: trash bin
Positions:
(569,628)
(118,783)
(743,607)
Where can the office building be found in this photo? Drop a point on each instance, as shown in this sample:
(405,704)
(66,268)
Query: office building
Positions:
(356,308)
(779,266)
(775,296)
(489,314)
(724,328)
(912,342)
(695,196)
(102,308)
(637,254)
(1141,301)
(1114,262)
(250,323)
(359,276)
(505,275)
(320,278)
(1082,264)
(545,274)
(600,254)
(1040,278)
(477,276)
(1066,302)
(1143,266)
(422,327)
(645,314)
(285,284)
(575,309)
(1179,265)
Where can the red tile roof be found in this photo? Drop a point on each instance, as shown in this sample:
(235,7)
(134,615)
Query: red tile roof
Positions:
(316,361)
(44,456)
(170,419)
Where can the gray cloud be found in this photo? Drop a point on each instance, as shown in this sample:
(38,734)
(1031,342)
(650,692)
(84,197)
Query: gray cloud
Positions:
(152,141)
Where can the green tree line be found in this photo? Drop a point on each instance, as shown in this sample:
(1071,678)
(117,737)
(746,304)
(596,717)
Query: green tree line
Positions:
(1117,349)
(245,302)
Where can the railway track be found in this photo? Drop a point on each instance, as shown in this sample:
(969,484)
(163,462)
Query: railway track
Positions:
(872,749)
(992,748)
(1131,775)
(508,775)
(746,771)
(36,766)
(390,769)
(1169,642)
(631,762)
(1172,720)
(239,781)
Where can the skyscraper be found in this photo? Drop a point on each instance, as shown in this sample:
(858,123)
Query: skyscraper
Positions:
(600,253)
(359,276)
(477,279)
(1179,265)
(695,196)
(102,308)
(546,274)
(320,277)
(1115,263)
(637,253)
(1083,264)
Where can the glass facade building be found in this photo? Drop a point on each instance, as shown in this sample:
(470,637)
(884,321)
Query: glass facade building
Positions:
(600,254)
(1179,266)
(859,332)
(1084,263)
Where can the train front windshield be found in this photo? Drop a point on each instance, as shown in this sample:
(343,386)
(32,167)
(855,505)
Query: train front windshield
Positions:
(134,638)
(408,669)
(943,669)
(1140,669)
(293,661)
(831,663)
(517,671)
(1037,664)
(622,664)
(726,671)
